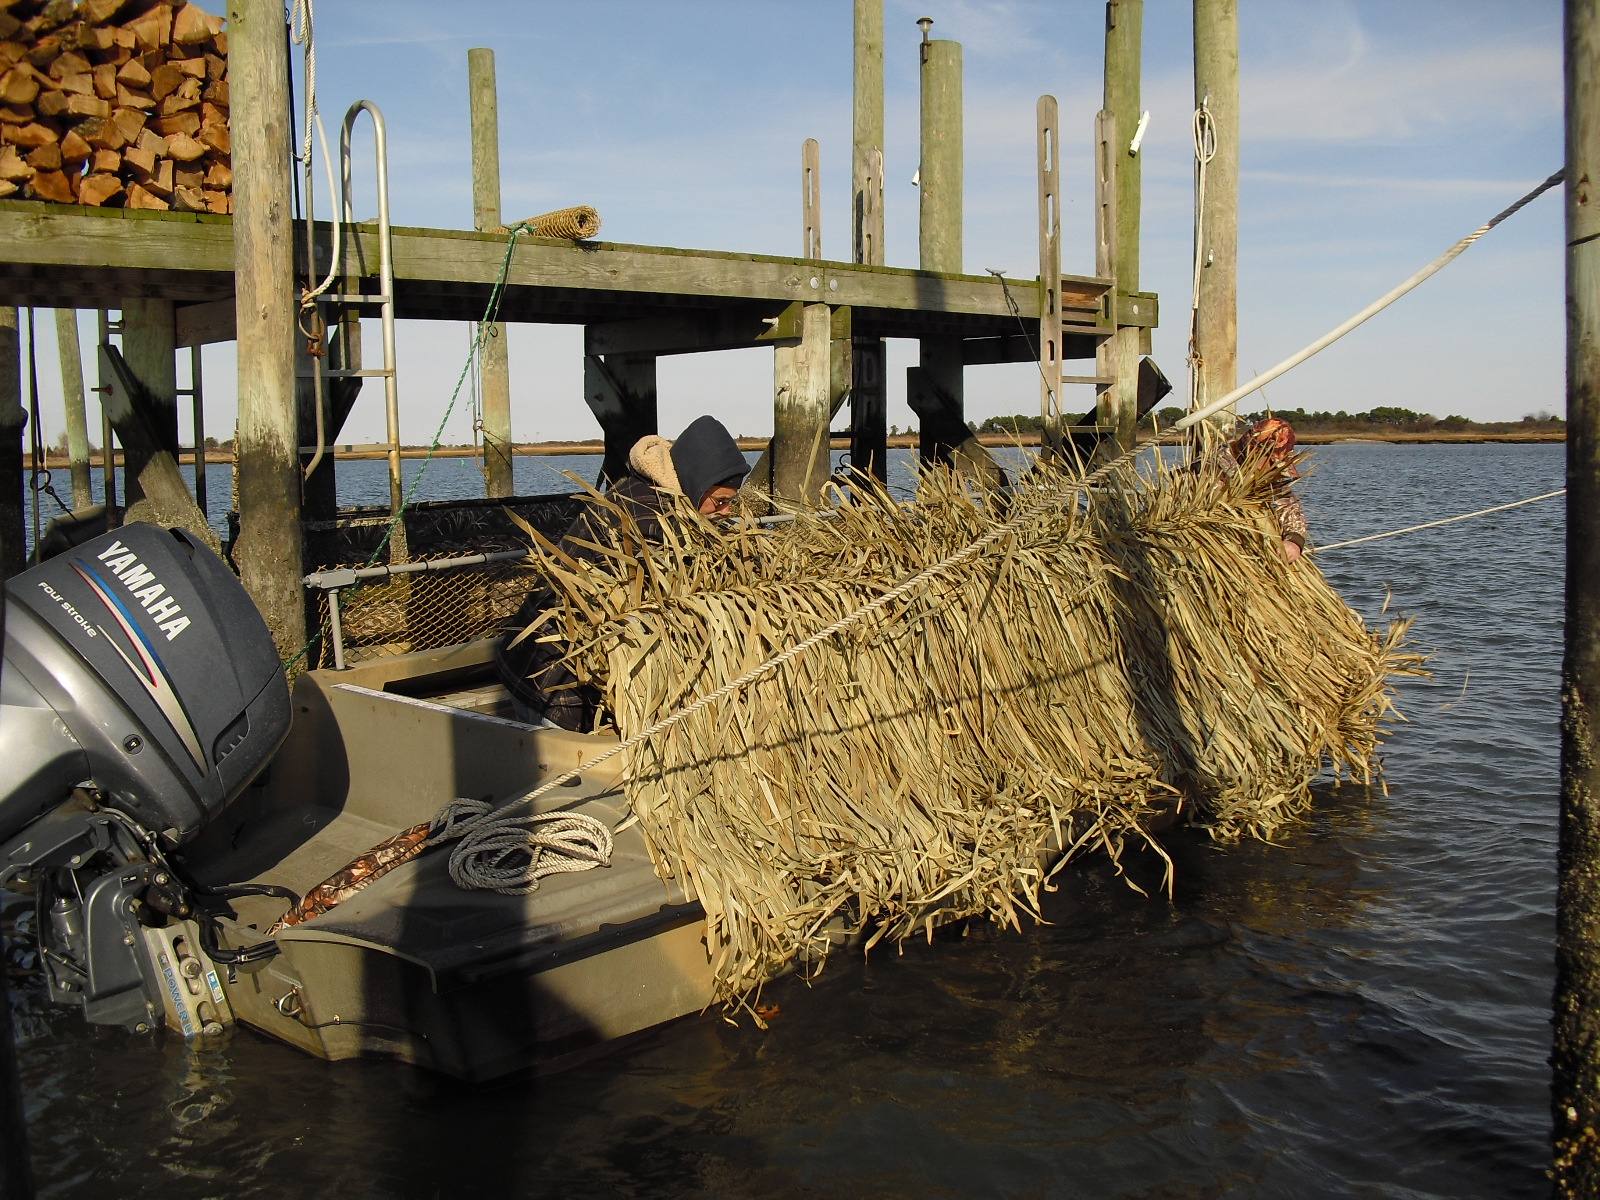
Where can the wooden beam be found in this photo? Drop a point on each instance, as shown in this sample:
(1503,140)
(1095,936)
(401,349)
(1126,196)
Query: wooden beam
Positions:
(59,256)
(206,323)
(620,390)
(689,332)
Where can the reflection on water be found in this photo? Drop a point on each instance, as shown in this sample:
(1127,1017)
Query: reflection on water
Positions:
(1361,1009)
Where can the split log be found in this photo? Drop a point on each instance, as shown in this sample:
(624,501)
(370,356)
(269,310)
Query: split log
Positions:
(184,122)
(52,185)
(18,86)
(70,62)
(193,26)
(128,97)
(133,74)
(7,188)
(99,187)
(184,148)
(138,197)
(74,149)
(35,134)
(46,158)
(12,168)
(105,162)
(87,106)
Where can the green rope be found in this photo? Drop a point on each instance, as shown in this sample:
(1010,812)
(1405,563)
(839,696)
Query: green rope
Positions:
(490,312)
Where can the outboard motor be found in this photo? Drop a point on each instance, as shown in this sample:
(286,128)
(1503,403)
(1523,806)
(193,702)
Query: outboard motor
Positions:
(141,693)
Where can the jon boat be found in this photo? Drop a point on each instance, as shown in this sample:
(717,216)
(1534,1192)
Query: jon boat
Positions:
(163,788)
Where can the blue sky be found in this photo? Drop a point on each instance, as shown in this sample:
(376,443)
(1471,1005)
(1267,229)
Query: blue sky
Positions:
(1373,135)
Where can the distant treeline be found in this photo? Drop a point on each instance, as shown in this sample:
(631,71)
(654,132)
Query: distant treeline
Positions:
(1383,419)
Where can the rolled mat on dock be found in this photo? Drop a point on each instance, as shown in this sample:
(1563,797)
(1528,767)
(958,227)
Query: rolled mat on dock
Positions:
(577,224)
(1134,651)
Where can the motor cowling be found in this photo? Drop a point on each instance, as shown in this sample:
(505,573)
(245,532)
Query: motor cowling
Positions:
(136,665)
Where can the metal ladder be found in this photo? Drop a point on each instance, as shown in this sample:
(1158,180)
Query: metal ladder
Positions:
(384,299)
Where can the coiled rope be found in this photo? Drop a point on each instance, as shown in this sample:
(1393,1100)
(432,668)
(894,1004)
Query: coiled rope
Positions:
(510,854)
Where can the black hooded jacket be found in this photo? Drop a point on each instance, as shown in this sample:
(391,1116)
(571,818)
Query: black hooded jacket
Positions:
(704,455)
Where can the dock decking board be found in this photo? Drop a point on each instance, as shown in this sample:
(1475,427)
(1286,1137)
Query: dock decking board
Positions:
(63,256)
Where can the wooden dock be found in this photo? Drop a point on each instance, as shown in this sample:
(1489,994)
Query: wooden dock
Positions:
(637,299)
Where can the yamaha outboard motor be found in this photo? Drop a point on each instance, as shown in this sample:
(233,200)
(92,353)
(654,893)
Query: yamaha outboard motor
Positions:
(141,692)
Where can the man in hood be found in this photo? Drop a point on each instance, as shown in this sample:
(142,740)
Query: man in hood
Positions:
(704,466)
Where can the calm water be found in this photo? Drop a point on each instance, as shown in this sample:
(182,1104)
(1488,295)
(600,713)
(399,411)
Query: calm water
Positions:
(1360,1010)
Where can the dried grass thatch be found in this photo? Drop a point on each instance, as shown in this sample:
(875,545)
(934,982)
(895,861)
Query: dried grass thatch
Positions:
(1130,652)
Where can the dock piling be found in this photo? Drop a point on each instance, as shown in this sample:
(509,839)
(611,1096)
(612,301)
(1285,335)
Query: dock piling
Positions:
(1575,1060)
(1048,151)
(13,463)
(801,386)
(268,550)
(149,346)
(869,409)
(936,393)
(72,399)
(494,364)
(1216,84)
(1124,39)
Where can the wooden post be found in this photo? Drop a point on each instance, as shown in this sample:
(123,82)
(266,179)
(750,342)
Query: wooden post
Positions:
(494,364)
(811,199)
(1106,395)
(1575,1060)
(108,435)
(937,393)
(149,346)
(867,185)
(197,400)
(869,407)
(268,551)
(1124,35)
(1216,83)
(621,392)
(13,462)
(71,355)
(802,376)
(1048,147)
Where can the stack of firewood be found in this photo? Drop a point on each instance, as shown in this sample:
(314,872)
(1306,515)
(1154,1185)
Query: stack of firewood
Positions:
(115,102)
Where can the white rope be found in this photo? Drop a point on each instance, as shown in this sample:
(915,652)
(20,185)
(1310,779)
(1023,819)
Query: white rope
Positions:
(301,33)
(1371,310)
(1482,512)
(510,854)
